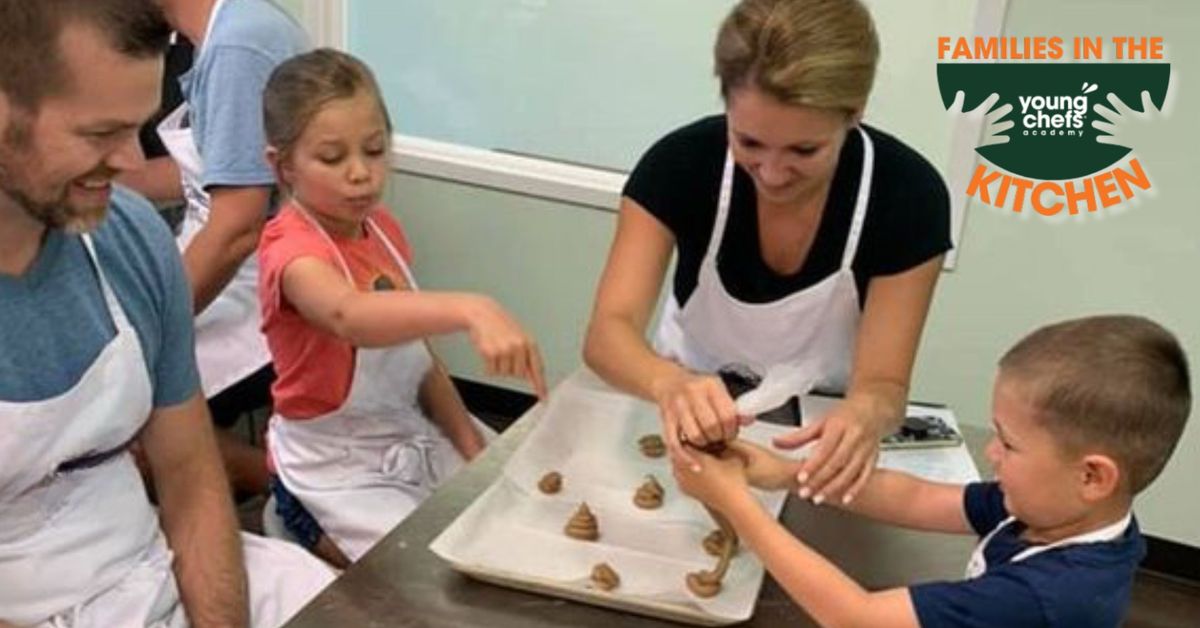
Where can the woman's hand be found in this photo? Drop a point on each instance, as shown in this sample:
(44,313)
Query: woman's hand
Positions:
(844,457)
(506,349)
(695,409)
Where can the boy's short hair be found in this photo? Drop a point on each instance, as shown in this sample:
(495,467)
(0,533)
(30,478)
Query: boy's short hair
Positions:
(1119,384)
(31,62)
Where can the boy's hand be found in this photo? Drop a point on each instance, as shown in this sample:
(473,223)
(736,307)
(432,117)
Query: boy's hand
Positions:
(764,468)
(718,479)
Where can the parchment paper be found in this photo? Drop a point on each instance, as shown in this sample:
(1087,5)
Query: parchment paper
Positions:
(513,534)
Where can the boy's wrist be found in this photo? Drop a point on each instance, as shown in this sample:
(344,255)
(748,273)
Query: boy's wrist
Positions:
(736,503)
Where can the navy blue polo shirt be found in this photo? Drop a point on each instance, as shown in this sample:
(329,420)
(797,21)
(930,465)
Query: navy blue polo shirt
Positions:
(1075,585)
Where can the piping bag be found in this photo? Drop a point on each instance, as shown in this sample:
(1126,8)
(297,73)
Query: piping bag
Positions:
(780,383)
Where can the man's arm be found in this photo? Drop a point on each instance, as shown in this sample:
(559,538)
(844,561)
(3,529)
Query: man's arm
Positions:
(231,234)
(159,180)
(197,514)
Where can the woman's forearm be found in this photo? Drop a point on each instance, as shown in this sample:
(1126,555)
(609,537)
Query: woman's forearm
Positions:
(619,353)
(880,403)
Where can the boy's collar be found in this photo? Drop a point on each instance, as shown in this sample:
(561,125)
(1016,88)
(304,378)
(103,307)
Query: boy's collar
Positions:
(1104,529)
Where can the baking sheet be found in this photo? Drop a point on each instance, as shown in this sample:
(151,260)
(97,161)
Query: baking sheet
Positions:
(513,534)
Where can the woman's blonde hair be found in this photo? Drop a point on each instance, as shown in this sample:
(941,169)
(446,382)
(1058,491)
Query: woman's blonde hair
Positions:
(815,53)
(302,85)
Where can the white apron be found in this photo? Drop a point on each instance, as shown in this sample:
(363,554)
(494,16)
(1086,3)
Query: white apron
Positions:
(815,325)
(86,537)
(978,566)
(362,468)
(229,343)
(80,544)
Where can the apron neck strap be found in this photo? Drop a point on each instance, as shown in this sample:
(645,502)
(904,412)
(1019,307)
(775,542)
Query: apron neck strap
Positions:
(862,200)
(208,28)
(396,256)
(724,199)
(374,229)
(120,321)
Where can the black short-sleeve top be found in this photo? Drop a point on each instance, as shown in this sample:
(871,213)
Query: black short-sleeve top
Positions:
(907,223)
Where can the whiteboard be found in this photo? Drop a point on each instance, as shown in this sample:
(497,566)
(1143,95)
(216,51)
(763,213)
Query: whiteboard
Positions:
(596,82)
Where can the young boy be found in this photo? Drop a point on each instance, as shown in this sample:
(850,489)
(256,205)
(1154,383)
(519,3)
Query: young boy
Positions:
(1086,415)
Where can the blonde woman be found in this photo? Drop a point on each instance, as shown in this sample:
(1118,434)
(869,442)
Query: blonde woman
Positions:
(803,236)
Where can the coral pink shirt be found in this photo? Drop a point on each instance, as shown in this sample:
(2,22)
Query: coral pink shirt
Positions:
(314,367)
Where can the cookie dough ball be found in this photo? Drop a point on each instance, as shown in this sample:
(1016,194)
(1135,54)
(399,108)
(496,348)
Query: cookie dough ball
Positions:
(714,543)
(583,525)
(649,495)
(605,577)
(550,483)
(704,583)
(652,446)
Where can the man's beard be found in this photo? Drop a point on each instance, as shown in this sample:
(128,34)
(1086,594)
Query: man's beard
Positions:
(55,213)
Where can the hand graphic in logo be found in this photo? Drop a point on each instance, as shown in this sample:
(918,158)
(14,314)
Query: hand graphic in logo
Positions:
(1123,126)
(994,123)
(1041,127)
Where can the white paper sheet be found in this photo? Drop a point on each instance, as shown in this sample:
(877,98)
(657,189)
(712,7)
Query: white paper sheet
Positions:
(513,534)
(587,432)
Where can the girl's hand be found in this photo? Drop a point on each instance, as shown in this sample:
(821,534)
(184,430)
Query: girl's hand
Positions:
(472,445)
(695,409)
(844,457)
(718,478)
(506,349)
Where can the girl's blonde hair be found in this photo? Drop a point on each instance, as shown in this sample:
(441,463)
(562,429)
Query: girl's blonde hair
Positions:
(815,53)
(302,85)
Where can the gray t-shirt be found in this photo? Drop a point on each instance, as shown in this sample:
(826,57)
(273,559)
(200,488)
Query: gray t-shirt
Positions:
(54,322)
(225,85)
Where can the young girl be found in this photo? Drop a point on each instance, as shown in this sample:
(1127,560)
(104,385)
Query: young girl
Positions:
(367,421)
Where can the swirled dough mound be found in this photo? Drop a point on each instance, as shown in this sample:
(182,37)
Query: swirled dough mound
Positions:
(605,577)
(704,583)
(649,495)
(652,446)
(583,525)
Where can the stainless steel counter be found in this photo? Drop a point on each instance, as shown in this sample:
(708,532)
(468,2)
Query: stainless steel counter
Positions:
(401,583)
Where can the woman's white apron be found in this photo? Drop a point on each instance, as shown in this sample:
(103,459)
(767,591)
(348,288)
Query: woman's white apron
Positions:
(817,325)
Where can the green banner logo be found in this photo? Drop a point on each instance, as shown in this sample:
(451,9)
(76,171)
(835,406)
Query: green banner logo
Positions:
(1052,110)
